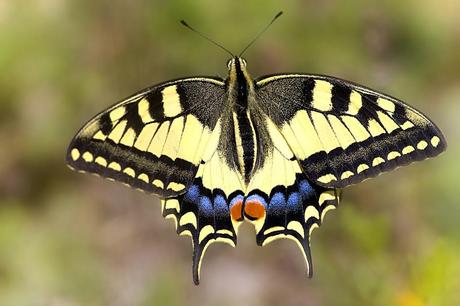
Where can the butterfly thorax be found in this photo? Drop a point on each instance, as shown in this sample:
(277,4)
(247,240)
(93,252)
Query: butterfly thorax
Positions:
(244,143)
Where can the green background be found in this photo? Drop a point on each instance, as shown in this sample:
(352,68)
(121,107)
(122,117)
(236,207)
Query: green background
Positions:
(72,239)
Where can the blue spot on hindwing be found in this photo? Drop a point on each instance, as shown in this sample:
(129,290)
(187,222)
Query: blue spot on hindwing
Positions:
(294,201)
(220,204)
(277,203)
(305,189)
(192,194)
(205,206)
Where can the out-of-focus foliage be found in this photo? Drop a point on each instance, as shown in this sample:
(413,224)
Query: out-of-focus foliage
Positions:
(69,239)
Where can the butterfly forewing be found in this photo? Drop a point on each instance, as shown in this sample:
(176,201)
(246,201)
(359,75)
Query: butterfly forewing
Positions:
(153,140)
(342,133)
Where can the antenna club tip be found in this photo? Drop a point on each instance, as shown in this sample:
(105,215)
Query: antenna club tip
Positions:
(279,14)
(183,22)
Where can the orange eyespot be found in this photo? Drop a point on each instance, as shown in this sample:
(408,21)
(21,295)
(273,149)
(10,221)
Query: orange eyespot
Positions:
(254,210)
(236,211)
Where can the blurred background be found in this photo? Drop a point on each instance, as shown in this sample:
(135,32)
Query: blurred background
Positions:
(71,239)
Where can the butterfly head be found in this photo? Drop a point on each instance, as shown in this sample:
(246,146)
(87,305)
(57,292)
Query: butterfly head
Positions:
(237,71)
(236,62)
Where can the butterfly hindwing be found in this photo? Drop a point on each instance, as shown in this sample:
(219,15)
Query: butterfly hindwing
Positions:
(282,202)
(209,210)
(153,140)
(343,133)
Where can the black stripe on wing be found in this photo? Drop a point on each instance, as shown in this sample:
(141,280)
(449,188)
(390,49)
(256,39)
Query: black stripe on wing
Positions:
(343,133)
(153,140)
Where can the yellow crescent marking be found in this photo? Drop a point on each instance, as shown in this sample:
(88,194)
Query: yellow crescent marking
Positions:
(172,204)
(393,155)
(75,154)
(175,186)
(188,218)
(346,175)
(327,178)
(115,166)
(296,226)
(225,240)
(273,229)
(435,141)
(87,156)
(225,232)
(377,161)
(326,196)
(310,212)
(422,145)
(130,172)
(362,168)
(408,150)
(205,232)
(158,183)
(101,161)
(185,233)
(143,177)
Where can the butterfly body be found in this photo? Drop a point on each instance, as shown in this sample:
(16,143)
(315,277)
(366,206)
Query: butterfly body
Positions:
(271,151)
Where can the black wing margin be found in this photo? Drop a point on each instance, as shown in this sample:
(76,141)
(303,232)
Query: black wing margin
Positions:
(343,133)
(154,139)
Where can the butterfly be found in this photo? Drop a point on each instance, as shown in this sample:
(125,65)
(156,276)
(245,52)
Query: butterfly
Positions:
(273,151)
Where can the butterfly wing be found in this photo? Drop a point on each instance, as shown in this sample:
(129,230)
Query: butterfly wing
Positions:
(342,133)
(164,140)
(282,202)
(153,140)
(207,212)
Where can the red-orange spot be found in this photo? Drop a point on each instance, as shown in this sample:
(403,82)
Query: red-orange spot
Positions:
(236,211)
(254,210)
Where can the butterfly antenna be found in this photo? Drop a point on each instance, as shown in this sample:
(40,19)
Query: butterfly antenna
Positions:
(261,32)
(185,24)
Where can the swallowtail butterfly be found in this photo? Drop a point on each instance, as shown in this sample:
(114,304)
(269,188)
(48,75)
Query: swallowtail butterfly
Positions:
(273,151)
